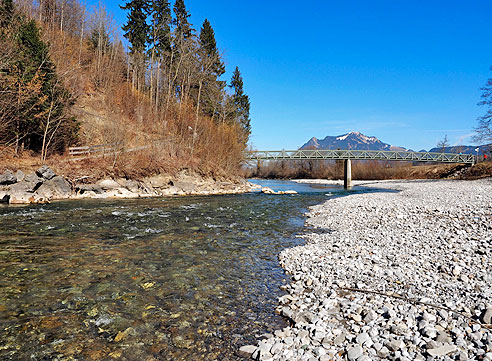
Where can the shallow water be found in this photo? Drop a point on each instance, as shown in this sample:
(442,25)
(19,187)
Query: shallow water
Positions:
(171,278)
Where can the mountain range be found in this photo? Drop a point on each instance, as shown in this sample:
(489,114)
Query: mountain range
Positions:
(359,141)
(352,140)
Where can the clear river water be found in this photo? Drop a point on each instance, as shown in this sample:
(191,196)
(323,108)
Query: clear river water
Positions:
(179,278)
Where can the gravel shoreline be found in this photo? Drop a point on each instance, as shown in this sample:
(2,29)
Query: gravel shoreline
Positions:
(401,275)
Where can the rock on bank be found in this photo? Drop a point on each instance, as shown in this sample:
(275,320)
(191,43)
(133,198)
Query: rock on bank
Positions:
(401,275)
(44,186)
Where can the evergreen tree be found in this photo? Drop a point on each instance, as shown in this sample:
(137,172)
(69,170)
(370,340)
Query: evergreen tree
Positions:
(137,33)
(240,102)
(183,28)
(6,12)
(160,32)
(99,39)
(44,96)
(209,48)
(136,29)
(212,68)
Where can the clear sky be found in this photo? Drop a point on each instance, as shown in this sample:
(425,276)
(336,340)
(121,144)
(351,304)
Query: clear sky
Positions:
(407,72)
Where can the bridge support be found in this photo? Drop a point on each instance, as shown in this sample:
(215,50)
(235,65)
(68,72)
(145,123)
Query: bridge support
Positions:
(347,174)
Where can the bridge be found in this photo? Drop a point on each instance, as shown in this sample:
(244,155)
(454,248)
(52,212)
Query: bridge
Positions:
(348,155)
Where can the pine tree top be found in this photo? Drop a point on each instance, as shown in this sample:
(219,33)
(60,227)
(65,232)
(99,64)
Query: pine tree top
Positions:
(237,82)
(136,29)
(209,46)
(160,32)
(183,26)
(207,39)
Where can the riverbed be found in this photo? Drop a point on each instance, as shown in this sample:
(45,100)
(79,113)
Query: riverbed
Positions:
(403,275)
(166,278)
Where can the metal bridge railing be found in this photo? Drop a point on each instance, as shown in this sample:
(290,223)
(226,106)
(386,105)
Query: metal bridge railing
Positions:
(360,154)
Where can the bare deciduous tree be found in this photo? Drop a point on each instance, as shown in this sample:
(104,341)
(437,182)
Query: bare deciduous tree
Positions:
(483,131)
(443,144)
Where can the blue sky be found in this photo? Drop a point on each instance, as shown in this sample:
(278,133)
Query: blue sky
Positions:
(407,72)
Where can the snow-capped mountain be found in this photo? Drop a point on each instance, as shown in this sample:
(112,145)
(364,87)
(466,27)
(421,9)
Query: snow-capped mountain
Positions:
(352,140)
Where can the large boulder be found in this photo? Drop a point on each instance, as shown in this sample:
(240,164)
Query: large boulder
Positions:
(84,188)
(108,184)
(21,193)
(25,192)
(7,178)
(45,172)
(159,181)
(135,186)
(31,182)
(55,188)
(185,186)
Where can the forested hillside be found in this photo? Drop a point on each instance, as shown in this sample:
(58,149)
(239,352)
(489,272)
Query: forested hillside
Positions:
(67,79)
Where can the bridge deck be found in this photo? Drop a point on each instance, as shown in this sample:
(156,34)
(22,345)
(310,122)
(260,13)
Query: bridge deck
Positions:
(361,154)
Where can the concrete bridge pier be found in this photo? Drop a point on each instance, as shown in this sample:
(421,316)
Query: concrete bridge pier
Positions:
(347,174)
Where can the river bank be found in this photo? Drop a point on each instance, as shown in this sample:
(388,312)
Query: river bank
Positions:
(400,275)
(44,185)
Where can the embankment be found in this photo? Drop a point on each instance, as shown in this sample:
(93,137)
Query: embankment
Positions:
(44,185)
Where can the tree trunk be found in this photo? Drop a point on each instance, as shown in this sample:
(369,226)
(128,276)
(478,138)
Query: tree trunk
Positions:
(198,101)
(17,143)
(195,134)
(152,77)
(157,87)
(81,36)
(45,133)
(61,15)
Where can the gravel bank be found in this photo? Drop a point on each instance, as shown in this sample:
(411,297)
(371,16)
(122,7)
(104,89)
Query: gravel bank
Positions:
(391,275)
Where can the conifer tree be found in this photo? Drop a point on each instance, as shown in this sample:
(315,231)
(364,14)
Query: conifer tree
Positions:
(209,48)
(41,115)
(160,29)
(99,39)
(183,28)
(137,33)
(159,43)
(136,29)
(240,102)
(212,68)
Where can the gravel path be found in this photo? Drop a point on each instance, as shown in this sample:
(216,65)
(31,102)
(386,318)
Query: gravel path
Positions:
(401,275)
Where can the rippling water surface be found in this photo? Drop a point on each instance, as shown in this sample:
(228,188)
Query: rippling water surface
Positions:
(171,279)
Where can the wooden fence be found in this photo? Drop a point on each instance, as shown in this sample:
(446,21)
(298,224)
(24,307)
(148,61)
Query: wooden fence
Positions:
(101,150)
(94,149)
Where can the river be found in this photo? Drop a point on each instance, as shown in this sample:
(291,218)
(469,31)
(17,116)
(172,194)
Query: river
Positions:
(176,278)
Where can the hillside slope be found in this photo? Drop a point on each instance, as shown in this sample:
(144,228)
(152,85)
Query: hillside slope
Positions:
(180,112)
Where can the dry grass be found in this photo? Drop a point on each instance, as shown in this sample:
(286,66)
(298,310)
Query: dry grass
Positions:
(27,162)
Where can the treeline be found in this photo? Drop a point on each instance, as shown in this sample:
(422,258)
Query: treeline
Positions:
(167,85)
(170,61)
(329,169)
